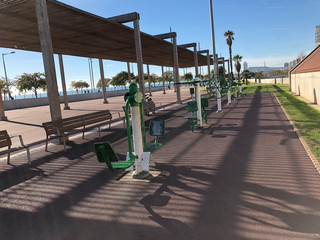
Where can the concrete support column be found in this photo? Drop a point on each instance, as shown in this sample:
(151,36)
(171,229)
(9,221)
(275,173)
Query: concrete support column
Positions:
(63,83)
(176,69)
(196,60)
(48,60)
(2,114)
(103,84)
(149,81)
(163,81)
(129,72)
(137,38)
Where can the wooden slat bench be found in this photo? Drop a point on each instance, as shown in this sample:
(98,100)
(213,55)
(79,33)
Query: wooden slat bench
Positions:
(149,107)
(68,126)
(5,141)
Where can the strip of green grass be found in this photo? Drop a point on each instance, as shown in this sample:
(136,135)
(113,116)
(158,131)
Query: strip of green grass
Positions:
(305,117)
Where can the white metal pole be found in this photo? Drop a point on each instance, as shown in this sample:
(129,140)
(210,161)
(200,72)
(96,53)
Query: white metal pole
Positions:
(199,115)
(215,62)
(218,97)
(229,97)
(137,137)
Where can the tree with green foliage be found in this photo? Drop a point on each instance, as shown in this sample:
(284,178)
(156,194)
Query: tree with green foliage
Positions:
(229,39)
(79,85)
(121,79)
(246,74)
(279,73)
(6,87)
(154,78)
(188,76)
(31,82)
(168,76)
(107,82)
(222,71)
(2,86)
(212,73)
(237,59)
(259,76)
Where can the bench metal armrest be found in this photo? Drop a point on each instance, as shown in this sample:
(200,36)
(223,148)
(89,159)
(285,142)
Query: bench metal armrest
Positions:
(21,140)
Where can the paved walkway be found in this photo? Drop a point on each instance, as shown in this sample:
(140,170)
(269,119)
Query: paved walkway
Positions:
(28,121)
(247,176)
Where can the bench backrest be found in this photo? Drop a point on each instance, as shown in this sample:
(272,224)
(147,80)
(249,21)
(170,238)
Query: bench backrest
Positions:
(68,124)
(96,117)
(5,140)
(71,123)
(148,105)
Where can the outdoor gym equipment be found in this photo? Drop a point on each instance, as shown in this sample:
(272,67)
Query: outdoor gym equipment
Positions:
(205,109)
(238,84)
(139,158)
(156,129)
(105,153)
(196,83)
(192,107)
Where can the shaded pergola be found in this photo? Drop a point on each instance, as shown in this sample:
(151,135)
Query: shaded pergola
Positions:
(51,27)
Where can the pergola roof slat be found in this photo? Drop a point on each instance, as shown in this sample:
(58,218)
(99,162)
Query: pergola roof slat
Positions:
(78,33)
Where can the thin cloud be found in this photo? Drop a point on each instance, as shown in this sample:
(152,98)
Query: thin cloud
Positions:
(266,5)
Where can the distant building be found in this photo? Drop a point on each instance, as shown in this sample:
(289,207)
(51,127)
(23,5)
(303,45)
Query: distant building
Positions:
(317,35)
(245,65)
(286,65)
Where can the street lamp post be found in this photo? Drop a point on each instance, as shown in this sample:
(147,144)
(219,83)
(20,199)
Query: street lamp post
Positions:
(5,74)
(215,60)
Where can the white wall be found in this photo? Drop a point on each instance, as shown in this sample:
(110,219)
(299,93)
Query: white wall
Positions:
(272,80)
(35,102)
(307,85)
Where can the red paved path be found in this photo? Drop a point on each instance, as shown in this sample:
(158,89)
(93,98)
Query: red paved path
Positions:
(245,177)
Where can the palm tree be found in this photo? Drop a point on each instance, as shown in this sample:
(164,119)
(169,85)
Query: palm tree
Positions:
(229,34)
(237,59)
(246,74)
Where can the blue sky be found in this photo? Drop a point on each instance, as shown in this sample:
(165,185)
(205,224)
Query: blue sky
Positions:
(270,31)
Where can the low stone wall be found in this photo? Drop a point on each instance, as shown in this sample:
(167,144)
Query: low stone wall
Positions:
(272,80)
(35,102)
(307,85)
